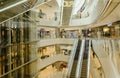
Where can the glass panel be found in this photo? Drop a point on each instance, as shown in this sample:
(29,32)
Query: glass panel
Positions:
(26,71)
(26,31)
(6,76)
(4,34)
(18,73)
(26,52)
(7,3)
(16,56)
(4,60)
(15,31)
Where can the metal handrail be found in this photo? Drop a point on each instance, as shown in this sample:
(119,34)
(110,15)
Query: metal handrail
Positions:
(70,63)
(88,65)
(79,65)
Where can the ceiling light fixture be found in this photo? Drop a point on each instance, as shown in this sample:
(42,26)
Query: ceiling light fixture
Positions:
(12,5)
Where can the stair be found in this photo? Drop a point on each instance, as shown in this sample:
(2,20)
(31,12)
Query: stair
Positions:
(73,70)
(84,69)
(84,62)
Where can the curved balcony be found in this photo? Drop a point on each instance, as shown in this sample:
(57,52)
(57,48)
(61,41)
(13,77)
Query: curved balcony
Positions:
(50,60)
(89,12)
(46,42)
(107,55)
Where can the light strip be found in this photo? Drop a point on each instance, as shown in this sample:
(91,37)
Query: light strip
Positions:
(12,5)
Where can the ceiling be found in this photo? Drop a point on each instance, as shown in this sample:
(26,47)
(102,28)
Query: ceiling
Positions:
(12,8)
(111,14)
(100,12)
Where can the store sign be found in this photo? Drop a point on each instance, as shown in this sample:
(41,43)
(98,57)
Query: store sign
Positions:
(68,3)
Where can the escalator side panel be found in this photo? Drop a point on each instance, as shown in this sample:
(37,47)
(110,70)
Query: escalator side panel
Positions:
(85,60)
(73,71)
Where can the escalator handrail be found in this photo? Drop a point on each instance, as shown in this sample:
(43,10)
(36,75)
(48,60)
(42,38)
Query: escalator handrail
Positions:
(79,65)
(88,65)
(70,63)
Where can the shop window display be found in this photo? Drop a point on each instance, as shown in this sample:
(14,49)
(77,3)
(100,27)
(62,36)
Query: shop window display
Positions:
(69,33)
(42,53)
(41,33)
(46,52)
(72,35)
(106,31)
(66,49)
(46,32)
(58,68)
(63,33)
(66,52)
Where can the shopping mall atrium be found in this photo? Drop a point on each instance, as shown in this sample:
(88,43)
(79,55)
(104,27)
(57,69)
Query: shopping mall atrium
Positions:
(59,38)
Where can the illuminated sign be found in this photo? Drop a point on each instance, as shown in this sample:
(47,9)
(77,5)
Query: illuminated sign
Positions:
(68,3)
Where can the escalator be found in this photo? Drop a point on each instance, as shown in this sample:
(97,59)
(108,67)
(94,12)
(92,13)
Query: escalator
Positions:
(73,71)
(12,8)
(84,68)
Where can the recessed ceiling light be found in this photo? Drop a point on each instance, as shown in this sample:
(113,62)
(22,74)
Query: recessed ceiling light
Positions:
(1,3)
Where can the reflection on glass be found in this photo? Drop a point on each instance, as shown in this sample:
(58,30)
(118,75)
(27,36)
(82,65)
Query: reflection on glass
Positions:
(4,34)
(6,4)
(4,60)
(18,73)
(26,52)
(6,76)
(26,71)
(16,49)
(16,59)
(46,33)
(26,31)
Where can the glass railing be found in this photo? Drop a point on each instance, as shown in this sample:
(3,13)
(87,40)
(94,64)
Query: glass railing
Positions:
(110,49)
(52,72)
(96,64)
(52,54)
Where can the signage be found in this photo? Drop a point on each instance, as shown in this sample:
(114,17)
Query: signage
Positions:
(68,3)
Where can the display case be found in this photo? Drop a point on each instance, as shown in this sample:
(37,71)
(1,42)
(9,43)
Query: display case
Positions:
(46,32)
